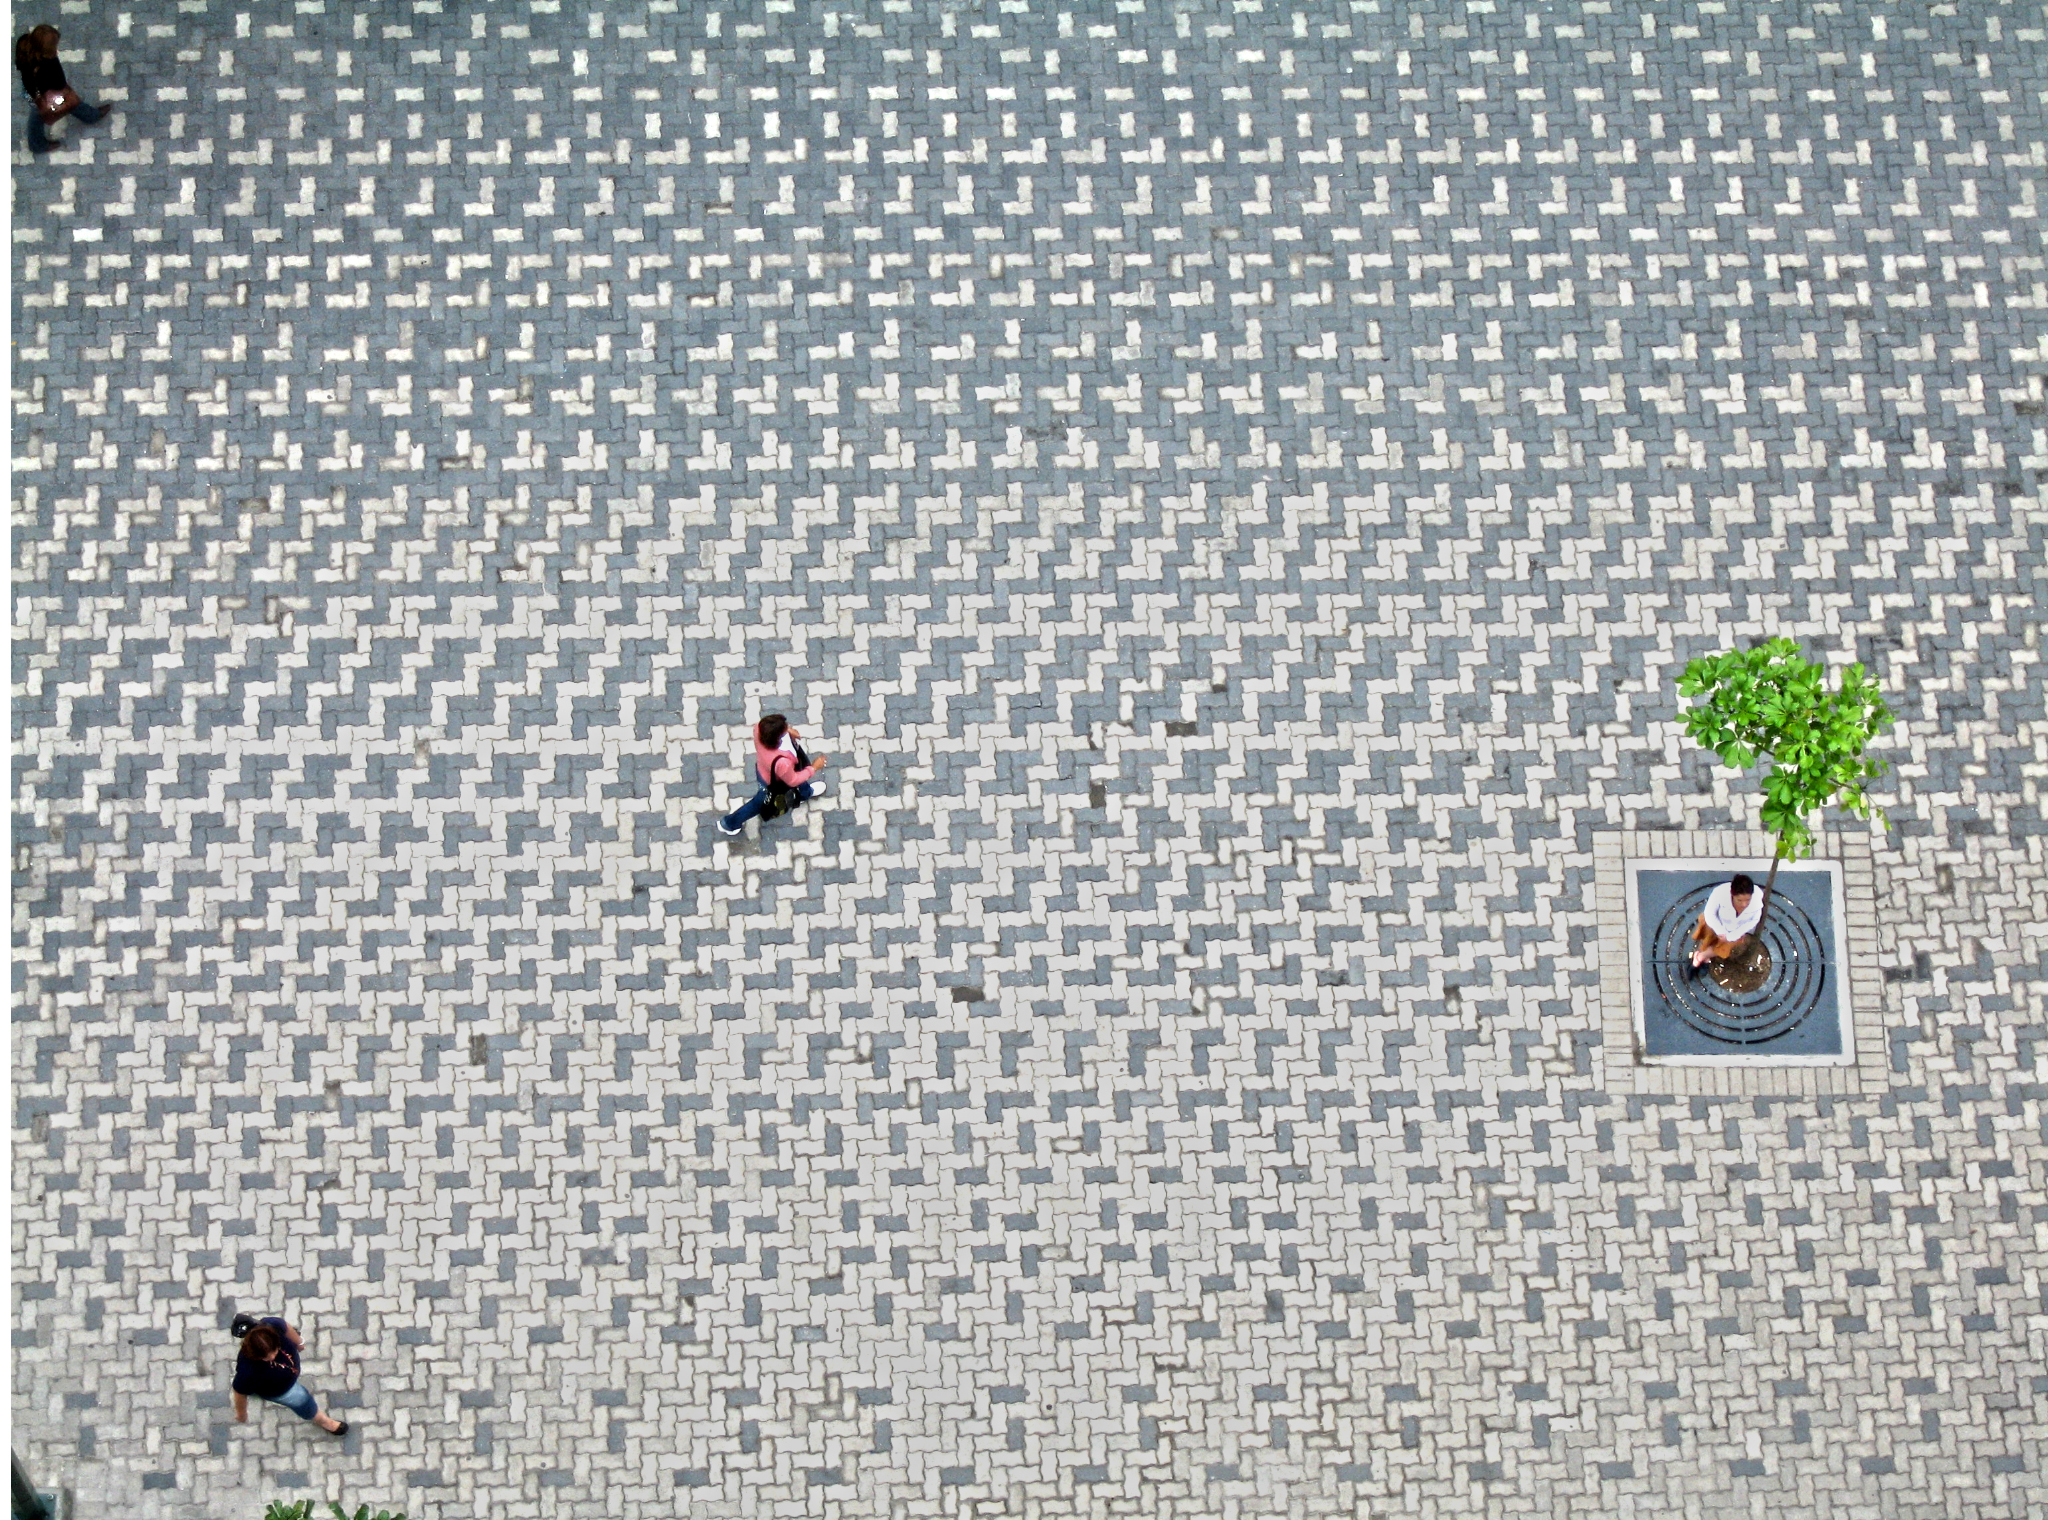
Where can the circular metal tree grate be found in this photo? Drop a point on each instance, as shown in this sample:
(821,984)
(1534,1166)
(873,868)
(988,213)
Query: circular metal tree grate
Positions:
(1732,1014)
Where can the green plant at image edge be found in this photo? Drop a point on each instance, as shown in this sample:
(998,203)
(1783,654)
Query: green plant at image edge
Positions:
(303,1510)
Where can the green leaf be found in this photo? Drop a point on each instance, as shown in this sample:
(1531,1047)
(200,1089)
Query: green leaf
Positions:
(1771,703)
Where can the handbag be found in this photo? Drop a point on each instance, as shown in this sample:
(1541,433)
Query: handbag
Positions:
(54,105)
(783,799)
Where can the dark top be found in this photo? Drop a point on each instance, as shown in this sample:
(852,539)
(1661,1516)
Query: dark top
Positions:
(266,1380)
(42,75)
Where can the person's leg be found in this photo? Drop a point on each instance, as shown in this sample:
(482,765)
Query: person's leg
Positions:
(1713,948)
(299,1400)
(738,819)
(89,114)
(1709,946)
(38,134)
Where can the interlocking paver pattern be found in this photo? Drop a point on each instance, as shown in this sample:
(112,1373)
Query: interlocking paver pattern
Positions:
(1231,485)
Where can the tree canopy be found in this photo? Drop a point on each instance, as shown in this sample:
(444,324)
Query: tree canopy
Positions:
(1772,703)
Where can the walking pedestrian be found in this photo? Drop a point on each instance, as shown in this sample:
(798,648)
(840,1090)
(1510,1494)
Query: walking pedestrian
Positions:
(50,95)
(784,771)
(1734,908)
(267,1367)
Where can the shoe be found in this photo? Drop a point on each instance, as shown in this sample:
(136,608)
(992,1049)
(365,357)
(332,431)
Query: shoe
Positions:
(818,789)
(729,831)
(340,1430)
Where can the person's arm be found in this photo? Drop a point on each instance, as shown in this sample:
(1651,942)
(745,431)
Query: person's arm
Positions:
(1710,915)
(817,761)
(298,1341)
(241,1403)
(1754,914)
(792,777)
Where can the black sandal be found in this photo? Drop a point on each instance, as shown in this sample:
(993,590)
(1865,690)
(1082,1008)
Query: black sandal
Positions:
(340,1430)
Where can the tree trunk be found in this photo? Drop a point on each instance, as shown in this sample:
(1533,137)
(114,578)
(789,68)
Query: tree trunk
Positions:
(1755,937)
(1770,882)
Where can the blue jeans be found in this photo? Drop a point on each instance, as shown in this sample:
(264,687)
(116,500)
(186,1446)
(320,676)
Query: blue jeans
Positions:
(299,1400)
(39,135)
(751,808)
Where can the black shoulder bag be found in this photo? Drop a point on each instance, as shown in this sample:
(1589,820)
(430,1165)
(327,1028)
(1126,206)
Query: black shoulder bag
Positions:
(782,799)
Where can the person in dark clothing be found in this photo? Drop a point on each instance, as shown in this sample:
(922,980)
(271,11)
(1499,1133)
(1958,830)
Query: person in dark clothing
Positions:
(50,96)
(268,1368)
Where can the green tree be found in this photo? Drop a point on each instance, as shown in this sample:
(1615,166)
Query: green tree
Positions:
(303,1510)
(1772,703)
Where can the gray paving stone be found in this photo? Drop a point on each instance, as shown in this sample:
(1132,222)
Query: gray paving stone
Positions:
(1232,487)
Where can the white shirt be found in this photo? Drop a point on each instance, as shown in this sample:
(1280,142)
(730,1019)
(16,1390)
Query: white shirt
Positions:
(1724,920)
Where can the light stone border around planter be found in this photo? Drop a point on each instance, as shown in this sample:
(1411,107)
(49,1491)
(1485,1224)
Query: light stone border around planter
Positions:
(1860,989)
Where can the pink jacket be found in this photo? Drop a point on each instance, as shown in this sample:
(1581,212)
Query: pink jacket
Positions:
(766,761)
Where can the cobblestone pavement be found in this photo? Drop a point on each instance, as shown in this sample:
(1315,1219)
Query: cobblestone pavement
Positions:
(1231,485)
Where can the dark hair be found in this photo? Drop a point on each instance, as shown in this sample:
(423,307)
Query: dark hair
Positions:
(262,1343)
(36,43)
(771,728)
(1741,886)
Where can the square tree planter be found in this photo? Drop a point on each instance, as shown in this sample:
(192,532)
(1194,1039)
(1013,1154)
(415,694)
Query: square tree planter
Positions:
(1809,1027)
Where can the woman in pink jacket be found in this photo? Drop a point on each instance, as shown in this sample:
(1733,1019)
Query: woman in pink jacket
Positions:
(785,773)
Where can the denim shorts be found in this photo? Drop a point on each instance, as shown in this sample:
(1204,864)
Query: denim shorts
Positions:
(299,1400)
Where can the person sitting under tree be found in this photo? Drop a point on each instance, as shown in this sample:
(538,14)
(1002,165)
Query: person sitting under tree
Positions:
(1733,911)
